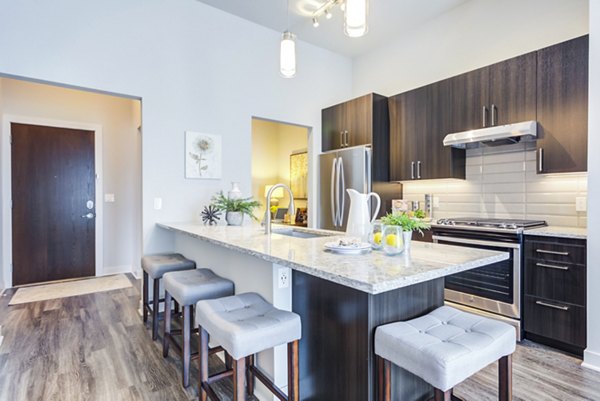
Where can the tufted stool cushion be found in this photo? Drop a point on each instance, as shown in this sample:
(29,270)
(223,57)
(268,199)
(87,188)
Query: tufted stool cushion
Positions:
(445,346)
(157,265)
(189,286)
(245,324)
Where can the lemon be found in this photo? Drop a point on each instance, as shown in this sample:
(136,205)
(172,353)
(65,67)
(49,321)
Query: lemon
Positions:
(391,239)
(377,238)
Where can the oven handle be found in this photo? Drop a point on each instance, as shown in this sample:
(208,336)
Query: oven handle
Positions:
(437,238)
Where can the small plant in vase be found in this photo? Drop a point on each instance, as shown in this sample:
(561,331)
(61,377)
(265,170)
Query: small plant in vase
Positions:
(235,209)
(408,222)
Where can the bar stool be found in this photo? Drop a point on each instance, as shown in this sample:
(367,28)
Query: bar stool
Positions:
(244,325)
(444,348)
(188,287)
(155,266)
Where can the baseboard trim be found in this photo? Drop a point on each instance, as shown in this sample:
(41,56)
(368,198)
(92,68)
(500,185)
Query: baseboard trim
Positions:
(108,270)
(591,360)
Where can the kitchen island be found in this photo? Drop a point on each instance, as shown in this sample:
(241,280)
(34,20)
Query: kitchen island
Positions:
(340,298)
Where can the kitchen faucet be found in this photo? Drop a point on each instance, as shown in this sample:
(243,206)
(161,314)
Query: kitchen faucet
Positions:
(291,207)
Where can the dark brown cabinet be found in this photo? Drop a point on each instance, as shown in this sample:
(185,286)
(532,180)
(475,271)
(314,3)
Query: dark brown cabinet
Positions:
(555,292)
(419,120)
(562,107)
(502,93)
(354,122)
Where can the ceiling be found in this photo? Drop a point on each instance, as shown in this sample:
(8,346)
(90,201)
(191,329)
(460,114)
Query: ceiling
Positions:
(387,19)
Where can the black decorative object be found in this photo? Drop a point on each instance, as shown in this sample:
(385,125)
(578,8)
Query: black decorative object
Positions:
(211,215)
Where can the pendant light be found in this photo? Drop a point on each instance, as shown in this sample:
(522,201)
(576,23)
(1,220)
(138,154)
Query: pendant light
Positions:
(287,51)
(355,18)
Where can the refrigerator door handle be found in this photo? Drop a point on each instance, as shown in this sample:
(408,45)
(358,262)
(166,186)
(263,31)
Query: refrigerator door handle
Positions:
(342,192)
(367,187)
(333,191)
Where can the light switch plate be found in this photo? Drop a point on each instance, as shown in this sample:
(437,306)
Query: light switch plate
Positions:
(436,201)
(109,198)
(581,204)
(157,203)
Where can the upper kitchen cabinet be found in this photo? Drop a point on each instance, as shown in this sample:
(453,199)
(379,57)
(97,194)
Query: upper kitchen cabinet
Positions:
(419,120)
(562,107)
(502,93)
(359,121)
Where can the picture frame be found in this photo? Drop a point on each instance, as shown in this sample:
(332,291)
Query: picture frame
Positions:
(202,156)
(299,174)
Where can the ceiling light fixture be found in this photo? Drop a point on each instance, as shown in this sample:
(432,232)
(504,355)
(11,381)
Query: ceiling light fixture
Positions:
(287,50)
(355,18)
(356,13)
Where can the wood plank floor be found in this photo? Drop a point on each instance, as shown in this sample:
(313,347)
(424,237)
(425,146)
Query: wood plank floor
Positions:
(95,347)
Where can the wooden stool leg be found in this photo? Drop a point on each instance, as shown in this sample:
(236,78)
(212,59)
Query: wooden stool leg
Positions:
(186,345)
(293,374)
(155,297)
(145,297)
(505,378)
(202,362)
(239,369)
(249,375)
(228,361)
(167,325)
(384,382)
(440,395)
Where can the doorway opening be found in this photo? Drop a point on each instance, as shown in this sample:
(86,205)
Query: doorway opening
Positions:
(281,154)
(71,182)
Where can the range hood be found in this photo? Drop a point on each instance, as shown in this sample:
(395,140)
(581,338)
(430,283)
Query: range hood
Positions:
(500,135)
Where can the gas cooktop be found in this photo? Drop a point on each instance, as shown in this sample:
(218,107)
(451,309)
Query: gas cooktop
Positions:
(501,224)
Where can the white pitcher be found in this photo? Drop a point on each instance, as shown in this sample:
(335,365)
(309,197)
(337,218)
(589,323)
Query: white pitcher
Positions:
(359,217)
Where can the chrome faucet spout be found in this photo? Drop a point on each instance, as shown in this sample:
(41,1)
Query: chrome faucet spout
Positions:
(291,207)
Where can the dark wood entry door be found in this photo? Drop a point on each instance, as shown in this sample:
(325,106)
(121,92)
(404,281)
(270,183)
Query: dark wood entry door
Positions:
(53,226)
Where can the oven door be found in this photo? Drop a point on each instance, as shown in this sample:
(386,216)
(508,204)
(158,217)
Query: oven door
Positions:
(494,288)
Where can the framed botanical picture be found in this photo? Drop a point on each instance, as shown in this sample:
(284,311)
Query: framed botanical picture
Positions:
(299,174)
(202,155)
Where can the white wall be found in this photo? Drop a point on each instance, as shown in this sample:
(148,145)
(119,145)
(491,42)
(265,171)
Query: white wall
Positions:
(2,283)
(119,119)
(473,35)
(592,353)
(195,68)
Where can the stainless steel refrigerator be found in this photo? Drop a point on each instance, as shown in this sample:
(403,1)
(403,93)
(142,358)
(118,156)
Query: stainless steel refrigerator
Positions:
(340,170)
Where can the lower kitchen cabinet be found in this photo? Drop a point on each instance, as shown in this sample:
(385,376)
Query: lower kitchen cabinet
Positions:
(554,306)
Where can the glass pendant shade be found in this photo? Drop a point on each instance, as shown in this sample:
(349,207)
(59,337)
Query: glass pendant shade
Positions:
(287,56)
(355,18)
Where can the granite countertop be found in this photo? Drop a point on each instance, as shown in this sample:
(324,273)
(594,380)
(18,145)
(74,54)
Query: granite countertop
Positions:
(373,273)
(558,231)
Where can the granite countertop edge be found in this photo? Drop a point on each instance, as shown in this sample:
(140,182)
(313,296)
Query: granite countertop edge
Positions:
(558,231)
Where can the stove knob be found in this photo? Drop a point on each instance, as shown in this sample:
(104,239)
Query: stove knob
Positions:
(502,225)
(512,226)
(442,221)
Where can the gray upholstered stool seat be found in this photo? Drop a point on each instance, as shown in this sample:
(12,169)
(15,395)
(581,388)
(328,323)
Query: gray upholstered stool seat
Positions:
(157,265)
(244,325)
(445,346)
(154,267)
(188,287)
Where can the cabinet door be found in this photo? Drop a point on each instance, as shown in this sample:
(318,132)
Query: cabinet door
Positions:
(332,125)
(513,90)
(469,97)
(562,107)
(407,128)
(358,116)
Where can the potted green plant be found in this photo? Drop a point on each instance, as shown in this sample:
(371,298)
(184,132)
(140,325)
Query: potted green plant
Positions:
(235,209)
(409,222)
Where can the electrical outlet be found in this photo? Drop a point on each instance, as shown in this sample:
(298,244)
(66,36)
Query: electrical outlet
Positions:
(581,204)
(436,201)
(283,277)
(109,198)
(157,203)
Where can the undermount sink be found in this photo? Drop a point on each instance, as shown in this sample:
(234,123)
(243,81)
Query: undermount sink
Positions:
(290,232)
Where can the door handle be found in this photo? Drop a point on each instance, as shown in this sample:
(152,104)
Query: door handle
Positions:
(552,252)
(341,139)
(89,216)
(484,117)
(412,170)
(419,169)
(494,111)
(346,133)
(540,160)
(556,267)
(333,189)
(342,192)
(561,307)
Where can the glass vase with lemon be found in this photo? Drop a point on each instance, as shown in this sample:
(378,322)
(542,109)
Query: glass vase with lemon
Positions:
(376,235)
(392,240)
(406,222)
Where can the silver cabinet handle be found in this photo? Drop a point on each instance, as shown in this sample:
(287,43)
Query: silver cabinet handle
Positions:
(552,252)
(346,136)
(540,160)
(88,216)
(412,170)
(341,139)
(561,307)
(484,117)
(552,266)
(419,169)
(493,108)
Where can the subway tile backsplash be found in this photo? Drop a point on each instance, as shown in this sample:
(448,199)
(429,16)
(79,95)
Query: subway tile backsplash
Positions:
(501,182)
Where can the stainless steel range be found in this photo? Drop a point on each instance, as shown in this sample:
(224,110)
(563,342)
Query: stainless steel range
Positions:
(494,290)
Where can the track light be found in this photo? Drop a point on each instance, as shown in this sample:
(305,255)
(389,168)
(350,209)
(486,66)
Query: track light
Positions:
(328,14)
(315,21)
